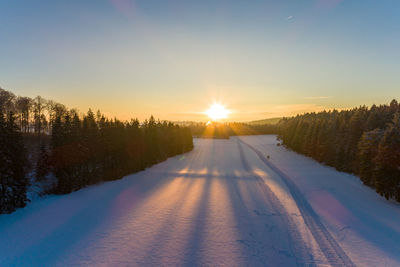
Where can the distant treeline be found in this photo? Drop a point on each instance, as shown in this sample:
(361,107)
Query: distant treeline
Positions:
(364,141)
(83,149)
(31,115)
(225,130)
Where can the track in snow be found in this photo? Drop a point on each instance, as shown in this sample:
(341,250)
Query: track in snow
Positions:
(206,208)
(331,249)
(298,248)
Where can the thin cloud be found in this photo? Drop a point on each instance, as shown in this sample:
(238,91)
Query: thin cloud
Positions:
(289,18)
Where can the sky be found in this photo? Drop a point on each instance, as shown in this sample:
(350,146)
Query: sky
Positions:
(173,59)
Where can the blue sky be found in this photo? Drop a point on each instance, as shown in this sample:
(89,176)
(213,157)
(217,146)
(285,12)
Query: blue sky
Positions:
(174,58)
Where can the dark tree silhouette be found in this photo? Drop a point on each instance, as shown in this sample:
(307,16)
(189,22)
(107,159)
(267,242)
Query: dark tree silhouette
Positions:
(75,150)
(94,149)
(13,161)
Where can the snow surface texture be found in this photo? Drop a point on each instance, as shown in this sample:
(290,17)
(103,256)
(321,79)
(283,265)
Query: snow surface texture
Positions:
(223,204)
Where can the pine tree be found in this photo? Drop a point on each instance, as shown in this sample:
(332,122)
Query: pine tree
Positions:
(362,141)
(13,182)
(367,151)
(388,161)
(42,167)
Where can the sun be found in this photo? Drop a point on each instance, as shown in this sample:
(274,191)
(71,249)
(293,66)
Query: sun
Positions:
(217,112)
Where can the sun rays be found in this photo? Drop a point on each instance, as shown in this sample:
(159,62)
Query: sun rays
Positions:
(217,112)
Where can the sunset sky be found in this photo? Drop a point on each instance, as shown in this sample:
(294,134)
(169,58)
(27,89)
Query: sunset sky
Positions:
(174,59)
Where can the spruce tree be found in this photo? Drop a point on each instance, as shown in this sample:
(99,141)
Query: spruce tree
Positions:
(388,161)
(367,151)
(13,167)
(42,167)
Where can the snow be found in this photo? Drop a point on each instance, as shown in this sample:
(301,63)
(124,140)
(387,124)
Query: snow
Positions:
(364,224)
(223,204)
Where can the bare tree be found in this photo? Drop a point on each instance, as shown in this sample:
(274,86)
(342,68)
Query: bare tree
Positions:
(39,104)
(23,106)
(6,101)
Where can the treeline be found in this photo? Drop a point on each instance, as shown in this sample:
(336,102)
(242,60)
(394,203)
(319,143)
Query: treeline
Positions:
(13,165)
(225,130)
(31,115)
(89,150)
(83,149)
(364,141)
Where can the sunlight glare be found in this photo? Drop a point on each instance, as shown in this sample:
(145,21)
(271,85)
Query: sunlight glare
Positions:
(217,112)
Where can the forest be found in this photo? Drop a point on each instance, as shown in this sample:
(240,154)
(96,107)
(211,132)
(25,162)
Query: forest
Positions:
(223,130)
(43,141)
(363,141)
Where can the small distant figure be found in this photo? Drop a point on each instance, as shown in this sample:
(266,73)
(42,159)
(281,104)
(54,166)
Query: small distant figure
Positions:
(267,156)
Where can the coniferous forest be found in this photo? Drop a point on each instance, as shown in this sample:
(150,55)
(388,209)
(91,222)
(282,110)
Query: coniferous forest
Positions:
(225,130)
(40,138)
(363,141)
(76,150)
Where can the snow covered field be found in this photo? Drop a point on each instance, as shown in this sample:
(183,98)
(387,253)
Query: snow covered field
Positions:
(223,204)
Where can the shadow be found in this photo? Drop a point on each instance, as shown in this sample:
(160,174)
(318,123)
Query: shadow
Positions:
(267,232)
(344,208)
(73,219)
(168,225)
(192,249)
(328,245)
